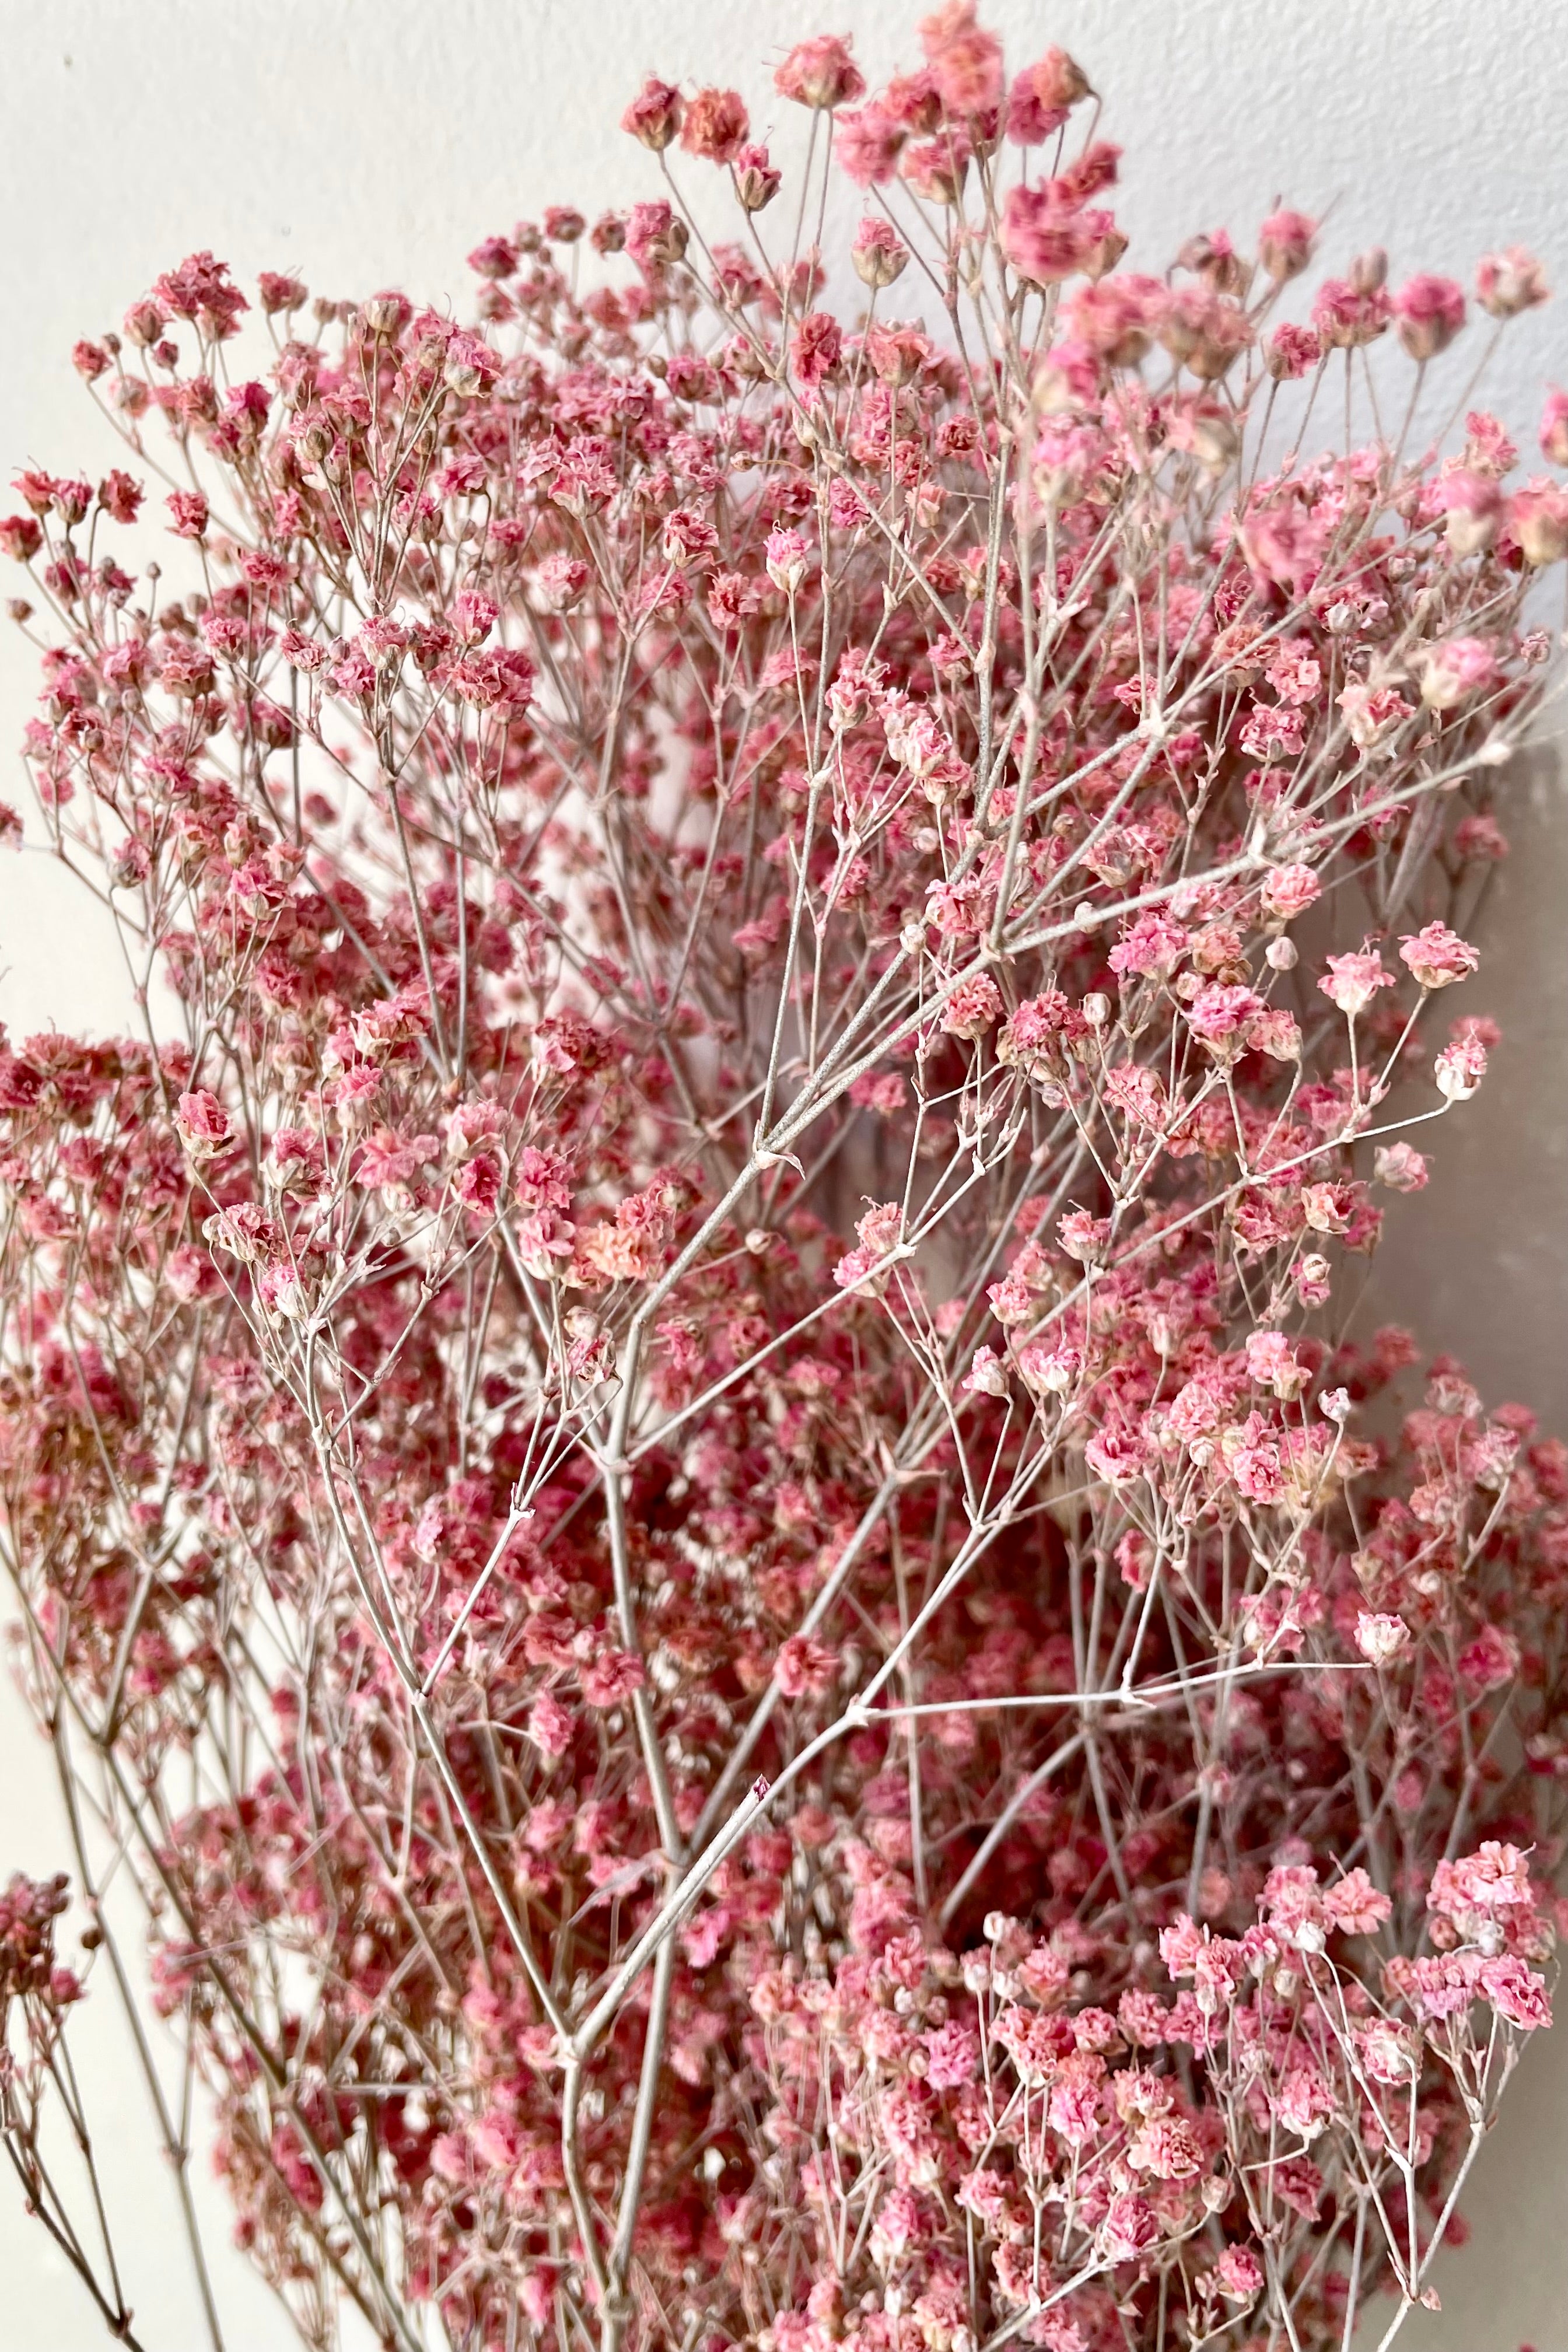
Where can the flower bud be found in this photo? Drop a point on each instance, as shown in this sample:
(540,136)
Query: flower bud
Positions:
(987,1375)
(1381,1638)
(1105,252)
(205,1127)
(1507,283)
(144,322)
(786,556)
(1473,508)
(1459,1068)
(1214,439)
(1285,244)
(878,254)
(820,73)
(20,538)
(1538,519)
(1430,312)
(655,115)
(1313,1279)
(128,865)
(756,180)
(1555,428)
(384,316)
(560,581)
(1456,669)
(1060,81)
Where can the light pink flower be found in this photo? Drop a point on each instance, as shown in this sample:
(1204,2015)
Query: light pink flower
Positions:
(1460,1068)
(1437,956)
(1351,981)
(1381,1637)
(1510,282)
(966,60)
(1430,312)
(1454,670)
(820,73)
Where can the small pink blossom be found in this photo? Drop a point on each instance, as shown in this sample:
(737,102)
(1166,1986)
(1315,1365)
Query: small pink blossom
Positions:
(953,2056)
(1271,1359)
(714,126)
(1346,315)
(1239,2273)
(1460,1068)
(1152,945)
(1401,1167)
(1285,244)
(550,1726)
(1129,2228)
(1045,242)
(820,73)
(1355,1905)
(966,61)
(1288,890)
(973,1007)
(1456,670)
(1083,1236)
(987,1375)
(1115,1454)
(1555,428)
(1117,319)
(1490,1660)
(869,141)
(1517,1992)
(1510,282)
(1351,981)
(1430,312)
(1437,956)
(879,254)
(785,558)
(655,115)
(1495,1877)
(1373,714)
(610,1678)
(1380,1637)
(205,1127)
(1473,506)
(1055,1366)
(1042,96)
(935,170)
(1536,519)
(1219,1015)
(188,513)
(1292,351)
(805,1667)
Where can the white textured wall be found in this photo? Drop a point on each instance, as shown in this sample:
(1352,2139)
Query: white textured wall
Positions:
(364,142)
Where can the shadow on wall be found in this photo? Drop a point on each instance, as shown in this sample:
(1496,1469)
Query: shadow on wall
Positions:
(1483,1252)
(1503,2293)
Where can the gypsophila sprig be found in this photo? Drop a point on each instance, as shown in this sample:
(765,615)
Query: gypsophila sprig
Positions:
(681,1450)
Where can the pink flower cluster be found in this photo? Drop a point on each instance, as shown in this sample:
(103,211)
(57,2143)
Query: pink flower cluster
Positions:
(964,2120)
(681,1444)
